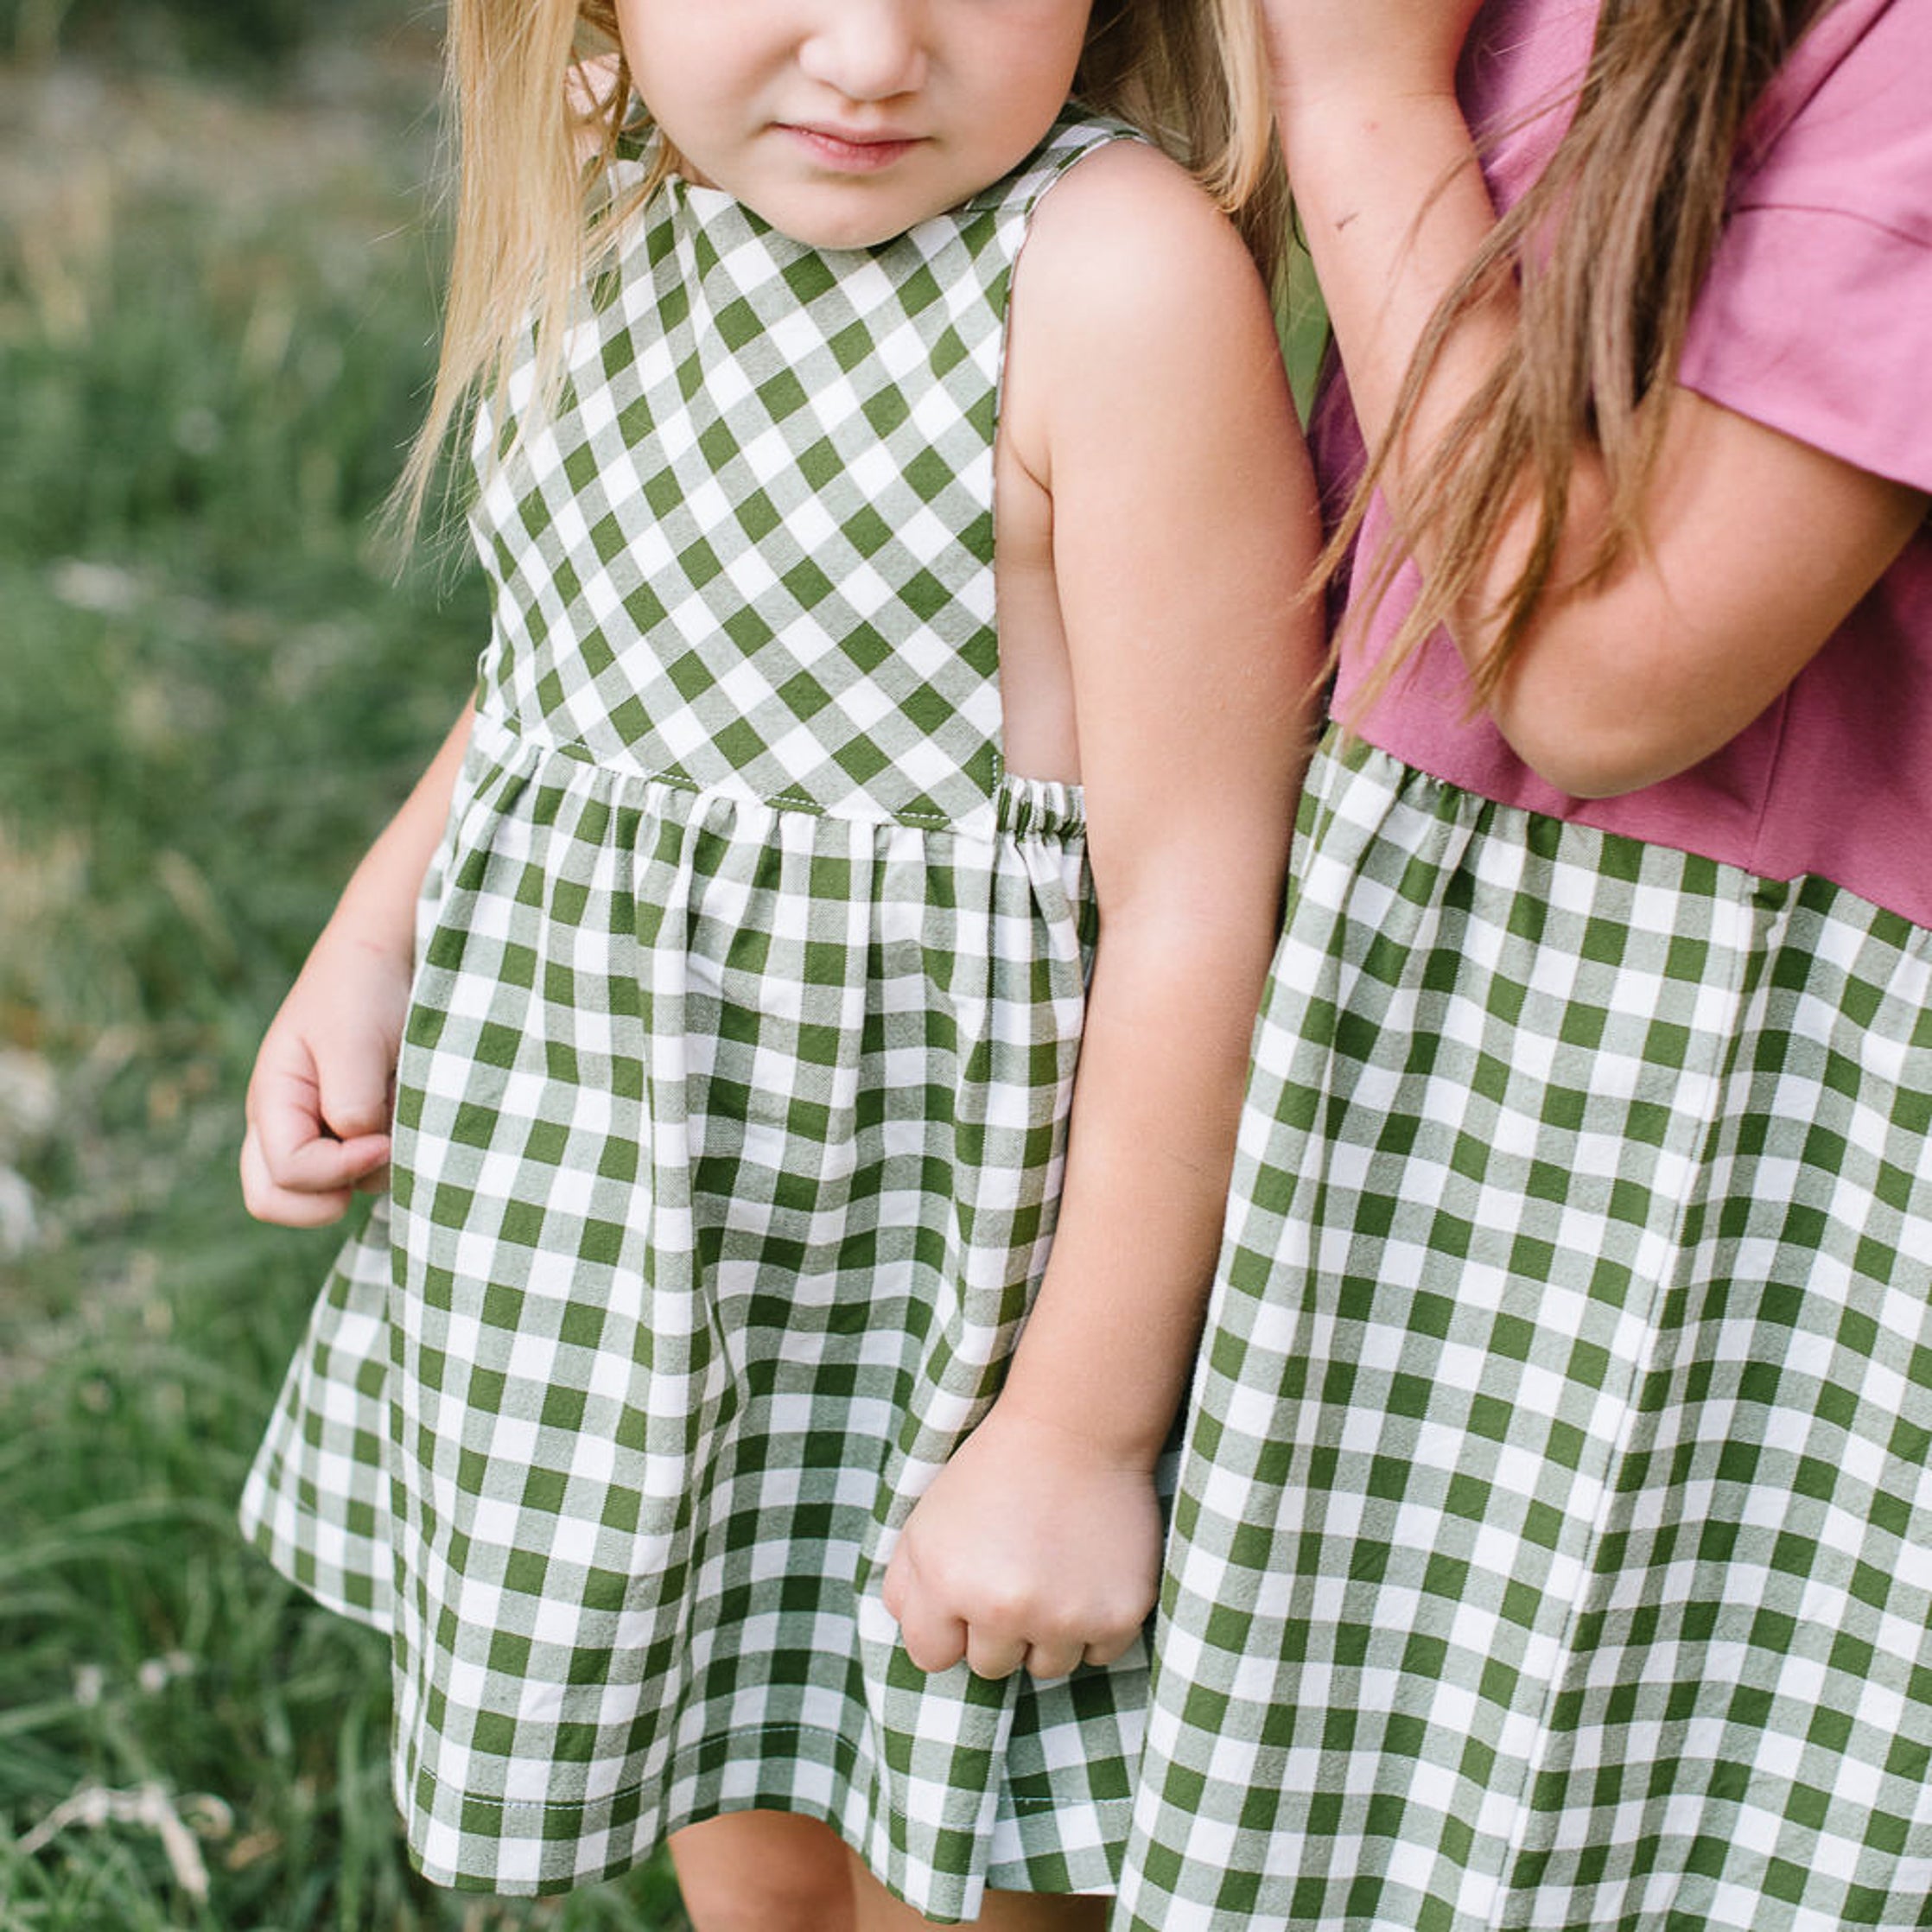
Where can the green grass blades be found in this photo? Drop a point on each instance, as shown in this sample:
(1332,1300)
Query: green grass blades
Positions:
(216,314)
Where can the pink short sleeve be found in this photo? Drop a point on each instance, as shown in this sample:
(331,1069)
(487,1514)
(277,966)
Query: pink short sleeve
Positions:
(1816,319)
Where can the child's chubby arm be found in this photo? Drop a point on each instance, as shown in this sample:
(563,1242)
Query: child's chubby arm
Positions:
(318,1098)
(1675,652)
(1145,399)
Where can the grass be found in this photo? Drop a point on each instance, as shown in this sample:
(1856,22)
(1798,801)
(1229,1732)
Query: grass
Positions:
(214,319)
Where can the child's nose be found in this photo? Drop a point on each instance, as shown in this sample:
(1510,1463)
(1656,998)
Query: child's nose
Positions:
(868,49)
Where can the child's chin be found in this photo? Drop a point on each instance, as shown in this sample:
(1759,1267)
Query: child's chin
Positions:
(845,228)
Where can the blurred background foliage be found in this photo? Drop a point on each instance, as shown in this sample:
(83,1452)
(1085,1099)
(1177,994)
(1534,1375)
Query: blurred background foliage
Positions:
(217,276)
(222,34)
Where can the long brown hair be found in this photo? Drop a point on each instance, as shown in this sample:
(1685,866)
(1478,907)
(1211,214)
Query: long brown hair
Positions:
(1607,252)
(543,107)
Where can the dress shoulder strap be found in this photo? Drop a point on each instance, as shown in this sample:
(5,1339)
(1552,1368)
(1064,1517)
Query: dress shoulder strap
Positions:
(1075,134)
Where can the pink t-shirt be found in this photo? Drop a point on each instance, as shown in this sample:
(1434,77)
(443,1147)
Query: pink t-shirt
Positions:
(1816,319)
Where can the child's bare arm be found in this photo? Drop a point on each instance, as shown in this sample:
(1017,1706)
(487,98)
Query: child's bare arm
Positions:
(319,1098)
(1146,393)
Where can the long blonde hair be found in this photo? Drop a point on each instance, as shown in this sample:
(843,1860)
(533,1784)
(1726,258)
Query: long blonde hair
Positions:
(543,106)
(1608,250)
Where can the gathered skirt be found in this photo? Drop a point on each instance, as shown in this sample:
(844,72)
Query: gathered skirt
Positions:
(1554,1541)
(727,1145)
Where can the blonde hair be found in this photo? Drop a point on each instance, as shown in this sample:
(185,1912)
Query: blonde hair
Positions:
(543,106)
(1607,250)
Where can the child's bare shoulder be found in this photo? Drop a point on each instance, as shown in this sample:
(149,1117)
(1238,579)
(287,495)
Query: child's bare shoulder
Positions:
(1133,284)
(1127,232)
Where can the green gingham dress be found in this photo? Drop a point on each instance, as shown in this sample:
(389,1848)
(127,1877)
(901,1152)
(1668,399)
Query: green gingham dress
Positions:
(732,1106)
(1554,1542)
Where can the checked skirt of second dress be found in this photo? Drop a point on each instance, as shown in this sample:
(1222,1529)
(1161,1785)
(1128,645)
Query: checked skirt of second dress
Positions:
(1554,1542)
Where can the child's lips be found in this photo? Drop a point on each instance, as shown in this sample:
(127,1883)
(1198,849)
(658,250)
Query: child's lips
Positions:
(851,150)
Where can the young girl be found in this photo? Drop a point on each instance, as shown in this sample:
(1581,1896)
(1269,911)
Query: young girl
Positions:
(736,1074)
(1554,1543)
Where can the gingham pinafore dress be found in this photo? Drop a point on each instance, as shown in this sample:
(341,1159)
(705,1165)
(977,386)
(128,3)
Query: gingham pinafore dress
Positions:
(731,1112)
(1552,1550)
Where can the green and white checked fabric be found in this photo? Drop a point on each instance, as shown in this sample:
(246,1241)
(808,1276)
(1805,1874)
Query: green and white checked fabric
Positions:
(1553,1545)
(732,1107)
(754,551)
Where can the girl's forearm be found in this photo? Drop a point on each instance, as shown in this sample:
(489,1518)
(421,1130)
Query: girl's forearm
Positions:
(1393,207)
(1107,1352)
(378,906)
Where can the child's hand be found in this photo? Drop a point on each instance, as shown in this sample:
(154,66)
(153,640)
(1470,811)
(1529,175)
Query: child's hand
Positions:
(1390,48)
(1032,1550)
(319,1099)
